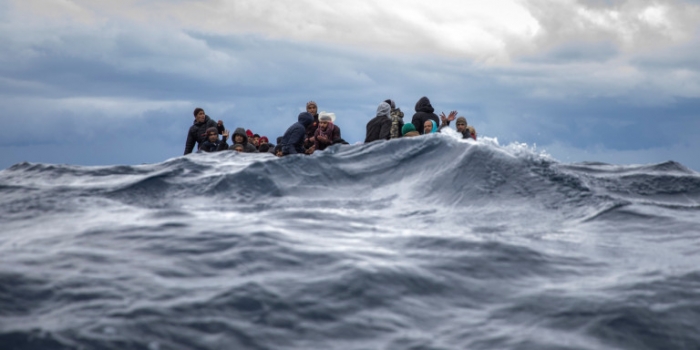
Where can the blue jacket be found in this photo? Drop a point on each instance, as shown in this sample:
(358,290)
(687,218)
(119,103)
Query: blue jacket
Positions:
(293,139)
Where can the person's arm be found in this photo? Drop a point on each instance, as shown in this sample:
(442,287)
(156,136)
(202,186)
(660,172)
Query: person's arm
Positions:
(385,131)
(189,144)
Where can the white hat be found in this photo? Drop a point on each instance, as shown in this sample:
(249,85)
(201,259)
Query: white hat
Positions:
(326,114)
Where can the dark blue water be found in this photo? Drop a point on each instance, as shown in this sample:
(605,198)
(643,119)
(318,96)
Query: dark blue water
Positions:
(422,243)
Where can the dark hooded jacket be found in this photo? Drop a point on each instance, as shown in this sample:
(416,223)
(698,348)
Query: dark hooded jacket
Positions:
(293,139)
(198,133)
(379,128)
(247,147)
(311,131)
(424,111)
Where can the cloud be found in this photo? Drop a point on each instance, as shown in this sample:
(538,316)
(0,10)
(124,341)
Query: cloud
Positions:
(608,75)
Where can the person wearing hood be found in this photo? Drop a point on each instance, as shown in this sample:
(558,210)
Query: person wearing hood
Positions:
(311,108)
(327,132)
(293,139)
(396,120)
(240,137)
(424,111)
(379,128)
(213,144)
(197,133)
(430,127)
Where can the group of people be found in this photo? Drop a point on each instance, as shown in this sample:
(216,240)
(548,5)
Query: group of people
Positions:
(315,131)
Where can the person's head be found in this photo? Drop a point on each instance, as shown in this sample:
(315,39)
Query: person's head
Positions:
(256,139)
(461,124)
(428,126)
(199,115)
(263,141)
(239,136)
(311,107)
(391,103)
(384,109)
(238,147)
(408,128)
(212,134)
(323,121)
(306,119)
(264,148)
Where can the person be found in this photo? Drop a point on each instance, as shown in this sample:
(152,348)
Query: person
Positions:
(430,127)
(467,131)
(379,128)
(240,137)
(424,111)
(197,133)
(311,108)
(265,141)
(277,151)
(238,147)
(396,119)
(409,130)
(256,140)
(327,132)
(264,148)
(293,138)
(213,144)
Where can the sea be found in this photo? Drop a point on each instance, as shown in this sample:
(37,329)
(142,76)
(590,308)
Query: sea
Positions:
(429,242)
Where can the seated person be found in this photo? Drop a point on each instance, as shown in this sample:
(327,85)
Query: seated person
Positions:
(327,132)
(429,127)
(240,137)
(467,131)
(409,130)
(238,148)
(213,144)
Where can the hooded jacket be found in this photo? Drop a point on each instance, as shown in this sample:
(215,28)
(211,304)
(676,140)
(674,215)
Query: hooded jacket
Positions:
(198,133)
(424,111)
(379,128)
(293,138)
(247,147)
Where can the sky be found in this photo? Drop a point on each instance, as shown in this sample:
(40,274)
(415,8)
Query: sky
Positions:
(90,82)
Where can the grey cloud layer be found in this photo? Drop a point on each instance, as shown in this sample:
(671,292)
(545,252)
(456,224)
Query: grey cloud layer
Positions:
(127,75)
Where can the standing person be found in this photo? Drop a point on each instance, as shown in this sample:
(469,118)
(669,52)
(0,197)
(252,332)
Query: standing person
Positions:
(396,119)
(197,133)
(293,140)
(213,144)
(311,108)
(240,137)
(424,111)
(379,128)
(327,132)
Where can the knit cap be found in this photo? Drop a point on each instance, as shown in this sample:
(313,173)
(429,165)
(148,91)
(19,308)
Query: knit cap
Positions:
(408,127)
